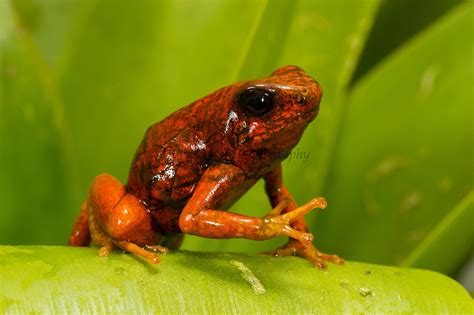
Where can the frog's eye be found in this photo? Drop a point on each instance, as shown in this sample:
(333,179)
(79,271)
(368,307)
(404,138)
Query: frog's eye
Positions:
(255,101)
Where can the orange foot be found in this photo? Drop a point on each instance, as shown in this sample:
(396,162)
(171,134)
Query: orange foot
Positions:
(145,251)
(309,252)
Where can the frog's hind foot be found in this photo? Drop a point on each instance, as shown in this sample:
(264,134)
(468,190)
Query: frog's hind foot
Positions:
(157,249)
(145,252)
(310,253)
(117,218)
(137,250)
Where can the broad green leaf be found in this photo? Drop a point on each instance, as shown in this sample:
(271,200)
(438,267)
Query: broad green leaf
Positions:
(33,163)
(49,22)
(73,280)
(388,34)
(404,158)
(436,251)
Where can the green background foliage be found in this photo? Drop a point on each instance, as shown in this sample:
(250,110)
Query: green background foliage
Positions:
(391,149)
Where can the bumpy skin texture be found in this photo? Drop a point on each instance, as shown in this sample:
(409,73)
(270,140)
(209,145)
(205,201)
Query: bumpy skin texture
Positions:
(197,162)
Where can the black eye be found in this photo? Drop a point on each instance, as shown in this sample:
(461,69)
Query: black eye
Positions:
(255,101)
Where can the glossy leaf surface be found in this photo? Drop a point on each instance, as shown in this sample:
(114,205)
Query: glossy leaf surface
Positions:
(66,280)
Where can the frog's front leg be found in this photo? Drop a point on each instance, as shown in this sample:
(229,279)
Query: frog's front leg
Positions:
(119,218)
(200,216)
(277,192)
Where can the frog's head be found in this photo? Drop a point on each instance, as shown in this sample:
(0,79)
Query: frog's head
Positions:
(272,114)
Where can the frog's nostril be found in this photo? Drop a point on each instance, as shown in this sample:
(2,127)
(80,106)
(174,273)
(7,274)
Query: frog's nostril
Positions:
(302,100)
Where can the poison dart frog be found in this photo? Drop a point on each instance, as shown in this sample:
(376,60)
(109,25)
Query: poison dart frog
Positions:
(193,165)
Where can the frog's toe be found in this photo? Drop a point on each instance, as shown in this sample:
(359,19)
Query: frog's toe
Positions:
(319,259)
(157,249)
(331,258)
(310,253)
(105,250)
(146,252)
(137,250)
(281,252)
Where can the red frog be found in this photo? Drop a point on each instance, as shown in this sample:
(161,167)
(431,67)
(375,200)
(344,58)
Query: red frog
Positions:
(198,161)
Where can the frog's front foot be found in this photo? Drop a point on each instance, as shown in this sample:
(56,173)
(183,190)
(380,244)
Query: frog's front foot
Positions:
(299,245)
(117,218)
(277,224)
(309,252)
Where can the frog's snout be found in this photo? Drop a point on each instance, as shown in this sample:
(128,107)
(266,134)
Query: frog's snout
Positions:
(286,69)
(312,93)
(308,91)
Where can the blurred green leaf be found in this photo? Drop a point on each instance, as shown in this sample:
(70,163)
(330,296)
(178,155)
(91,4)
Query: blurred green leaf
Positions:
(436,251)
(404,158)
(72,280)
(49,22)
(397,22)
(33,160)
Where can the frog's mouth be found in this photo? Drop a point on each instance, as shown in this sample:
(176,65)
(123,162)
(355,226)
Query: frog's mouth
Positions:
(309,115)
(300,121)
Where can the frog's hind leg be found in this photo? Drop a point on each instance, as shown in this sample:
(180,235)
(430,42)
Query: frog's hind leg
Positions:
(119,218)
(80,235)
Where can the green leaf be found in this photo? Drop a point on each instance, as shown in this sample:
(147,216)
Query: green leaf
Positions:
(404,158)
(66,280)
(388,34)
(436,251)
(49,22)
(33,149)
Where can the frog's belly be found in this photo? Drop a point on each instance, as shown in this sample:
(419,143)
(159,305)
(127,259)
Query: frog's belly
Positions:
(166,220)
